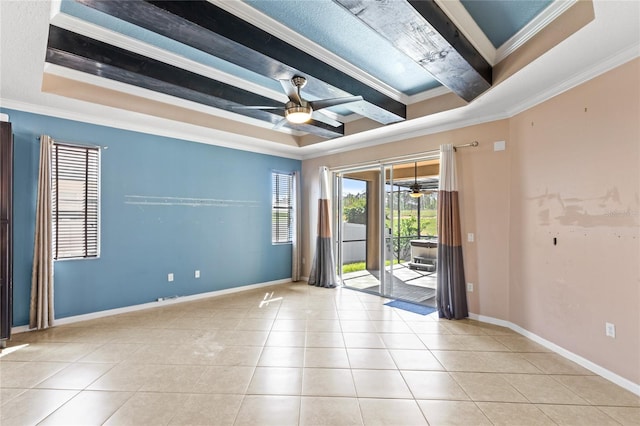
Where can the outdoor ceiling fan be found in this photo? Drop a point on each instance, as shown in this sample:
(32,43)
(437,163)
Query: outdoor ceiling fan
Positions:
(299,111)
(415,190)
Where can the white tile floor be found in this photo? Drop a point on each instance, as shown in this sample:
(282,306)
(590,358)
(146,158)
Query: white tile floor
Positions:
(315,357)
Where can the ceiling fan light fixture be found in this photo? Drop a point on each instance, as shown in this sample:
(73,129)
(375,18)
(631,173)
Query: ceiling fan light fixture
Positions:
(298,114)
(415,191)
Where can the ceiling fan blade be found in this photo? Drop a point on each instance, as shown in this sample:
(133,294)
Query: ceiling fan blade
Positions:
(319,116)
(326,103)
(280,124)
(256,107)
(291,91)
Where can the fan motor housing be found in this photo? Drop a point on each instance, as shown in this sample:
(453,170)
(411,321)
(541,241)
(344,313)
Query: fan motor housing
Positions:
(298,113)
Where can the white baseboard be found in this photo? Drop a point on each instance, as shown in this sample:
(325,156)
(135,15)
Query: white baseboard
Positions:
(167,301)
(20,329)
(589,365)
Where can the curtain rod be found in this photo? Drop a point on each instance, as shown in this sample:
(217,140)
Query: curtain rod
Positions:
(473,144)
(409,157)
(79,145)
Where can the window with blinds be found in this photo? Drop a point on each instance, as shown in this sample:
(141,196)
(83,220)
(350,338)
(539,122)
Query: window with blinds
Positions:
(75,191)
(282,212)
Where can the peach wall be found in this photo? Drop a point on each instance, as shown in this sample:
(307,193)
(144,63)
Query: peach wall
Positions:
(576,177)
(573,174)
(484,193)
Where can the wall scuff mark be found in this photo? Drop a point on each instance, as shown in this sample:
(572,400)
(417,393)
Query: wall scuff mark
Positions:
(149,200)
(600,211)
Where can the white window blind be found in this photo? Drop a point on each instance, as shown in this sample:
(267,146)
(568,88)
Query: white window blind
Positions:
(75,205)
(282,212)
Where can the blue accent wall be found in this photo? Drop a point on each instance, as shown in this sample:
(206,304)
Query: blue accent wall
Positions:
(167,206)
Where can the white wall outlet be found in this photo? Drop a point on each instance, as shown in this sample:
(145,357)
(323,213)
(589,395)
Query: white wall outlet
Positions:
(470,237)
(470,287)
(610,330)
(170,277)
(197,274)
(499,146)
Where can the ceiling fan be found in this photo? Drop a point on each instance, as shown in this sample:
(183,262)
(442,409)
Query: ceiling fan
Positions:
(298,110)
(415,190)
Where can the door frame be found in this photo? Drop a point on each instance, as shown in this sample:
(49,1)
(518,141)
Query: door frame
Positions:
(337,174)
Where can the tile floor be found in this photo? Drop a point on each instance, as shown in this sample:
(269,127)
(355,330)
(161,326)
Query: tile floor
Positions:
(315,357)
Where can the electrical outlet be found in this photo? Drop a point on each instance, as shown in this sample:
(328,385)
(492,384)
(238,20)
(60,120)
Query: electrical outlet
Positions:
(197,274)
(170,277)
(470,287)
(470,237)
(610,330)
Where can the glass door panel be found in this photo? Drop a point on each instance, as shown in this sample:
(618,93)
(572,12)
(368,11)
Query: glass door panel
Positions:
(357,219)
(411,191)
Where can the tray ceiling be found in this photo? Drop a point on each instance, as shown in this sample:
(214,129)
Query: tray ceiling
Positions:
(198,62)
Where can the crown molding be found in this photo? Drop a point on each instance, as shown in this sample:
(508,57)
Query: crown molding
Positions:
(148,124)
(245,12)
(545,17)
(99,33)
(142,92)
(429,94)
(458,118)
(456,11)
(424,126)
(96,32)
(617,59)
(414,128)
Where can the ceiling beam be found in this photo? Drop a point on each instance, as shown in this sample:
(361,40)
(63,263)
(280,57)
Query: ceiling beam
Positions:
(208,28)
(71,50)
(425,33)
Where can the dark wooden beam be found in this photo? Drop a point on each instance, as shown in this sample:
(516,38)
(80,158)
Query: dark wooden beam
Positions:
(425,33)
(208,28)
(71,50)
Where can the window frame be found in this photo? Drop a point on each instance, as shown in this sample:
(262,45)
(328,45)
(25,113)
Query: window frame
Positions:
(290,208)
(55,212)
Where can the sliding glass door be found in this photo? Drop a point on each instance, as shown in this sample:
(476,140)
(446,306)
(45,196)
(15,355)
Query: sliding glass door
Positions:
(386,231)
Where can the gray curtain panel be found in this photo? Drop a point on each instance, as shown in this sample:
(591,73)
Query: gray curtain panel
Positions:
(41,312)
(323,268)
(451,295)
